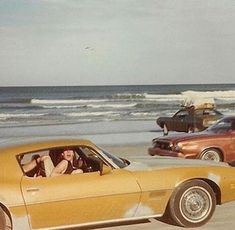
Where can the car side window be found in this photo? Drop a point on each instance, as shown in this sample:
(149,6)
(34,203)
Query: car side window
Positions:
(209,112)
(32,164)
(87,151)
(222,126)
(198,112)
(182,114)
(85,159)
(42,163)
(92,160)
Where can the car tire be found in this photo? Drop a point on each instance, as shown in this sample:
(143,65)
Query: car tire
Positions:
(190,129)
(211,154)
(192,204)
(5,222)
(165,130)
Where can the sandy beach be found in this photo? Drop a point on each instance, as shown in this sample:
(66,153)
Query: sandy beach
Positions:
(223,218)
(127,145)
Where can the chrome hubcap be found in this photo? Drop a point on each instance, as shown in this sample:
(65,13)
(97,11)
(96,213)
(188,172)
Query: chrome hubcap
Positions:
(212,156)
(195,204)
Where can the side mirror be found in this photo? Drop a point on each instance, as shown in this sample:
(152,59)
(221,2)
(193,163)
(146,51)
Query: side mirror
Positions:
(105,169)
(98,165)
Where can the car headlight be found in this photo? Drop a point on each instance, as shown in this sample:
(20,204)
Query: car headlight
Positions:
(154,141)
(171,145)
(177,147)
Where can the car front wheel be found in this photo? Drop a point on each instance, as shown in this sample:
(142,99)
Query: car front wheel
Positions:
(192,204)
(211,154)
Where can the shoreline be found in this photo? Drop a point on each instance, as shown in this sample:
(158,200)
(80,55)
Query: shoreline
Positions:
(117,133)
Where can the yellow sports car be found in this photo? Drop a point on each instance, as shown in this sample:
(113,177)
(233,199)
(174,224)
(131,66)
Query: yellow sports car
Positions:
(56,184)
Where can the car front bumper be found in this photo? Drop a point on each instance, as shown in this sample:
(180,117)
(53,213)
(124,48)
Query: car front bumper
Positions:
(164,152)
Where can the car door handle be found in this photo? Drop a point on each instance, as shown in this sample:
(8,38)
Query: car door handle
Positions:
(32,189)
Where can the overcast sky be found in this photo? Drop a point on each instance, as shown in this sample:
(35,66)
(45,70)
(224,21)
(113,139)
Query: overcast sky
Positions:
(99,42)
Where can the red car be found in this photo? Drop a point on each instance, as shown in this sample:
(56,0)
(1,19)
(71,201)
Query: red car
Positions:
(216,143)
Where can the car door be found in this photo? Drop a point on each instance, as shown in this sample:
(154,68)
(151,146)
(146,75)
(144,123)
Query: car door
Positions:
(80,198)
(179,121)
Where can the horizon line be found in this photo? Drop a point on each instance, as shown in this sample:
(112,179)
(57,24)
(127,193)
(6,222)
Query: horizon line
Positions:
(105,85)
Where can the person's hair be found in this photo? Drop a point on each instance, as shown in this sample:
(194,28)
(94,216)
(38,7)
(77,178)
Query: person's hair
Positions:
(67,149)
(35,157)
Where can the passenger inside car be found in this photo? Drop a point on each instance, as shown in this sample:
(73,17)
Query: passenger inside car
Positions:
(34,167)
(47,163)
(66,164)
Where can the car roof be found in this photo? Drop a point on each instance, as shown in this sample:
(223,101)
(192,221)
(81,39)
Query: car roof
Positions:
(30,144)
(195,108)
(228,118)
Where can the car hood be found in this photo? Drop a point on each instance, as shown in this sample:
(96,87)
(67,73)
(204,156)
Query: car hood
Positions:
(149,163)
(189,136)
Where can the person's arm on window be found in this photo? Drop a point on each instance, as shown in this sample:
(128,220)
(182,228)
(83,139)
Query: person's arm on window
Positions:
(60,168)
(36,159)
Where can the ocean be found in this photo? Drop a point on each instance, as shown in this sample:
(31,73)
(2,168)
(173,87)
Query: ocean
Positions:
(100,110)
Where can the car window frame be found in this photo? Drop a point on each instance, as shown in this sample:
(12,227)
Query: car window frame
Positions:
(98,153)
(187,113)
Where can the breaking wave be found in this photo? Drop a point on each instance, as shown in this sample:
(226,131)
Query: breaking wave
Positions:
(118,103)
(71,101)
(5,116)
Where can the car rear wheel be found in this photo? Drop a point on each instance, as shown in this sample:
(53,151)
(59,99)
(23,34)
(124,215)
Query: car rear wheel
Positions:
(165,129)
(211,154)
(192,204)
(5,222)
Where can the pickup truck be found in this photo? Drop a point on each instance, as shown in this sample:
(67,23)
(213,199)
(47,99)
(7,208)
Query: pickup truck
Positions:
(189,119)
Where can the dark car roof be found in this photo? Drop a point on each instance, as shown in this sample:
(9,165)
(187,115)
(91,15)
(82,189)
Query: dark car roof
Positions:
(226,118)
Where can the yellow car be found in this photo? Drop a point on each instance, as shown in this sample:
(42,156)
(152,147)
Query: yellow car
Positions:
(110,189)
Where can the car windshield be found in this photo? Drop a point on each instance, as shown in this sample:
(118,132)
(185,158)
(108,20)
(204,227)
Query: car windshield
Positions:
(223,125)
(121,163)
